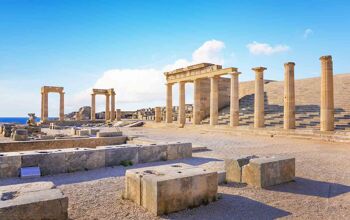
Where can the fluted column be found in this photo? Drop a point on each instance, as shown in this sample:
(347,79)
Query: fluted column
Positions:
(259,112)
(214,100)
(182,103)
(327,94)
(107,111)
(112,114)
(169,103)
(234,100)
(93,107)
(197,102)
(157,114)
(289,96)
(62,106)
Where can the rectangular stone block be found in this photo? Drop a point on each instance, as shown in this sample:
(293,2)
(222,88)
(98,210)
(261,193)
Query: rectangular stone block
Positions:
(152,153)
(179,150)
(233,167)
(109,134)
(80,159)
(94,131)
(38,200)
(169,191)
(269,171)
(10,165)
(114,155)
(83,132)
(133,179)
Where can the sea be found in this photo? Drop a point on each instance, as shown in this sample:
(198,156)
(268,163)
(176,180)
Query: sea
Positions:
(18,120)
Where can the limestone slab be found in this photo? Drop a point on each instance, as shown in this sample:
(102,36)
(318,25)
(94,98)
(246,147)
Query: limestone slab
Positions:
(269,171)
(9,165)
(32,201)
(114,155)
(233,167)
(175,190)
(152,153)
(109,134)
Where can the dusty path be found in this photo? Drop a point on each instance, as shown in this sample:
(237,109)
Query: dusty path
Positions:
(321,189)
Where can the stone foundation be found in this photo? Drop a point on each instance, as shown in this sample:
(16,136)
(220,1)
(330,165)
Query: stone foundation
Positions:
(40,200)
(80,159)
(171,188)
(260,172)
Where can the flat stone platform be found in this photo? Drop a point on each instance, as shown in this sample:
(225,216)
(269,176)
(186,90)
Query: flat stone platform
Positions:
(39,200)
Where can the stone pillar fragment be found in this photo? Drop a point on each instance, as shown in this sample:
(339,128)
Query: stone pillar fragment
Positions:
(234,100)
(259,97)
(107,111)
(119,115)
(157,114)
(169,103)
(197,102)
(42,106)
(289,96)
(93,106)
(214,100)
(62,106)
(112,114)
(182,104)
(327,94)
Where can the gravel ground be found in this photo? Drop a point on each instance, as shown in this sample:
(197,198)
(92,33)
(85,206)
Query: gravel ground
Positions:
(321,189)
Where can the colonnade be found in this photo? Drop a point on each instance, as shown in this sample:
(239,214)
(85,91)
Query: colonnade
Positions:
(327,94)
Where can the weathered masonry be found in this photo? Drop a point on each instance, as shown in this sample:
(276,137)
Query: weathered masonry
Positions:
(45,90)
(110,113)
(195,74)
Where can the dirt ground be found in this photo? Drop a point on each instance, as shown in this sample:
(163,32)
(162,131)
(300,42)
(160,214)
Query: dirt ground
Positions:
(321,189)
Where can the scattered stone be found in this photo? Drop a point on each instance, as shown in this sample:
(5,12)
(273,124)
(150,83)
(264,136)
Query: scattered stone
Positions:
(40,200)
(233,167)
(269,171)
(20,135)
(163,190)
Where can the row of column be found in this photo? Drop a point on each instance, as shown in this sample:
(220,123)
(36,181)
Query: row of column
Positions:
(326,109)
(110,113)
(45,106)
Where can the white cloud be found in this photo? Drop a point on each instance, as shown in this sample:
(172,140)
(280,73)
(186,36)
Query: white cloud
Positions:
(257,48)
(139,88)
(308,32)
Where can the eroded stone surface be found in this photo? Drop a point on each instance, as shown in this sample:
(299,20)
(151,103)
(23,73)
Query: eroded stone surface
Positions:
(40,200)
(269,171)
(233,167)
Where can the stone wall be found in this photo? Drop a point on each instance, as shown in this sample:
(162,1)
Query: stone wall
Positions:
(80,159)
(61,143)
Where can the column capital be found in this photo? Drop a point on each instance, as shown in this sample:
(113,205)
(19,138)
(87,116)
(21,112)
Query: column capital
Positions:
(289,64)
(259,69)
(326,58)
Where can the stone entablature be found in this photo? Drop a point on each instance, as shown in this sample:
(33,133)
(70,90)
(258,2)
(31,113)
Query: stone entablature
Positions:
(45,90)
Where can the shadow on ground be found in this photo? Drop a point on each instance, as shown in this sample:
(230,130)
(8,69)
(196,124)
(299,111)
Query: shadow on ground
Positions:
(107,172)
(310,187)
(231,207)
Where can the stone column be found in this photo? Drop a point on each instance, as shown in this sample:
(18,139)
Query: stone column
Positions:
(42,107)
(157,114)
(197,102)
(289,96)
(62,106)
(93,106)
(112,114)
(182,103)
(234,100)
(327,94)
(259,97)
(107,108)
(214,100)
(46,107)
(169,103)
(119,115)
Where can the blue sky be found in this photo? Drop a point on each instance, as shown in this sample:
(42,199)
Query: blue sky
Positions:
(121,44)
